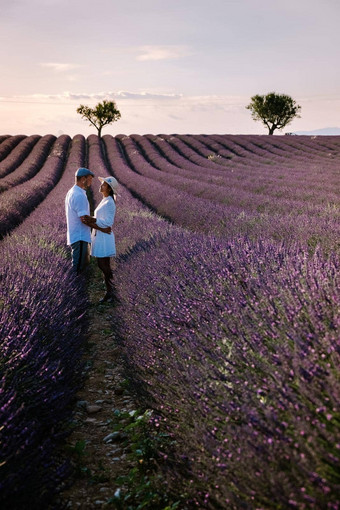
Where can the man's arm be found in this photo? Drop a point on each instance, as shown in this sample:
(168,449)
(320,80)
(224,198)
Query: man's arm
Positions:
(90,221)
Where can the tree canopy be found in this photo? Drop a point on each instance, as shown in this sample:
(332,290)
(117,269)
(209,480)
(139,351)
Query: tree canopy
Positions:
(275,110)
(101,115)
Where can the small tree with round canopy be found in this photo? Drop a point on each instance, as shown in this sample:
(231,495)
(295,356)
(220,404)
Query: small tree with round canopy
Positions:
(274,110)
(101,115)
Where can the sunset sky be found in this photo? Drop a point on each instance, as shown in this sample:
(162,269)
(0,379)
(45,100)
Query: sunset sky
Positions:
(172,66)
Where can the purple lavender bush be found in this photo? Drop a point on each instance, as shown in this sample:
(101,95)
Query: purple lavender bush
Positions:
(18,202)
(30,165)
(237,345)
(42,327)
(218,186)
(233,342)
(3,138)
(310,221)
(18,154)
(230,329)
(8,144)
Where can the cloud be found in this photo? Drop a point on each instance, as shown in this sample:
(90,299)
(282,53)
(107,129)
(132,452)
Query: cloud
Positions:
(163,52)
(119,95)
(59,67)
(189,103)
(129,99)
(146,95)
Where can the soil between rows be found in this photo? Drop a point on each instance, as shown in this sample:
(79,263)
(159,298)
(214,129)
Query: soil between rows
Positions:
(99,460)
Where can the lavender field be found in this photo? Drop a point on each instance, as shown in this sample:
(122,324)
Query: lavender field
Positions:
(228,285)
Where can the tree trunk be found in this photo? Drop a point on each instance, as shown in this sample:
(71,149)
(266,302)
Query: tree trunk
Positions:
(99,131)
(271,130)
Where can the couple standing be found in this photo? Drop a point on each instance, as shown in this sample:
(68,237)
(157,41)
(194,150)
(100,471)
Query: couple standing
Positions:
(80,223)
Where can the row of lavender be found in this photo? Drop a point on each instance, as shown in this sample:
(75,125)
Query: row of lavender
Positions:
(253,194)
(196,150)
(30,164)
(36,165)
(7,145)
(236,345)
(255,190)
(172,313)
(259,148)
(14,150)
(270,308)
(226,211)
(42,329)
(274,172)
(42,326)
(222,315)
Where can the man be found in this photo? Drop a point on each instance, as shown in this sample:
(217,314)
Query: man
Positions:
(77,206)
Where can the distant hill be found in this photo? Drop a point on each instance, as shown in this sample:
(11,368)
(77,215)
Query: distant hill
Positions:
(324,131)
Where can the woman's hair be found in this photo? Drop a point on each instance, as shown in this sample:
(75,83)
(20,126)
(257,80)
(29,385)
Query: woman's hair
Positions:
(113,194)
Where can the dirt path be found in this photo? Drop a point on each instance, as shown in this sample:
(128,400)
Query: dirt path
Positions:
(99,457)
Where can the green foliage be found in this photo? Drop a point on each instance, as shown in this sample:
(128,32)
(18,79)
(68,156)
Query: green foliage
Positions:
(79,448)
(101,115)
(143,486)
(82,470)
(275,110)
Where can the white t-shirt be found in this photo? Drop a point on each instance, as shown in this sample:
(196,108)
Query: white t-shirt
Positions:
(77,205)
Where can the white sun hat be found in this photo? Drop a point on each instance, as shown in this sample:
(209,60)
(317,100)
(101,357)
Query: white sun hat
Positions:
(112,182)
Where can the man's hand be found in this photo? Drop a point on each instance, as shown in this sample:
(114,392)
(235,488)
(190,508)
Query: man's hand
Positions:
(87,220)
(91,222)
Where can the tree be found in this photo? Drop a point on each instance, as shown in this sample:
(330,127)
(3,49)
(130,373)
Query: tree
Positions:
(101,115)
(274,110)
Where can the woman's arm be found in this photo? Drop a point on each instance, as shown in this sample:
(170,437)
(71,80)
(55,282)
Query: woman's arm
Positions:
(90,221)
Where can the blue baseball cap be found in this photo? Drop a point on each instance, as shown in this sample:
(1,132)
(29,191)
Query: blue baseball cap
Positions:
(82,172)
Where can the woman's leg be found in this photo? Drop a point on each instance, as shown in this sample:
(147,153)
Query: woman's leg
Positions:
(105,266)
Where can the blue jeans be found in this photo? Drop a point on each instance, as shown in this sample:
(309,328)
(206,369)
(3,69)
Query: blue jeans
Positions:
(80,255)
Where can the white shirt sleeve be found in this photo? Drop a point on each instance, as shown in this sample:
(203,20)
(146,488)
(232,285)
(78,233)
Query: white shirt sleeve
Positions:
(81,205)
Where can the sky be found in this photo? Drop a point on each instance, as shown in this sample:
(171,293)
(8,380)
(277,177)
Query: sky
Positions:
(171,66)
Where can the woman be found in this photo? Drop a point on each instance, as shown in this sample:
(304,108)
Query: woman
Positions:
(103,245)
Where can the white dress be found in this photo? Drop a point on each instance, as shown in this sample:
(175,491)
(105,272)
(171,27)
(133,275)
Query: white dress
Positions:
(103,245)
